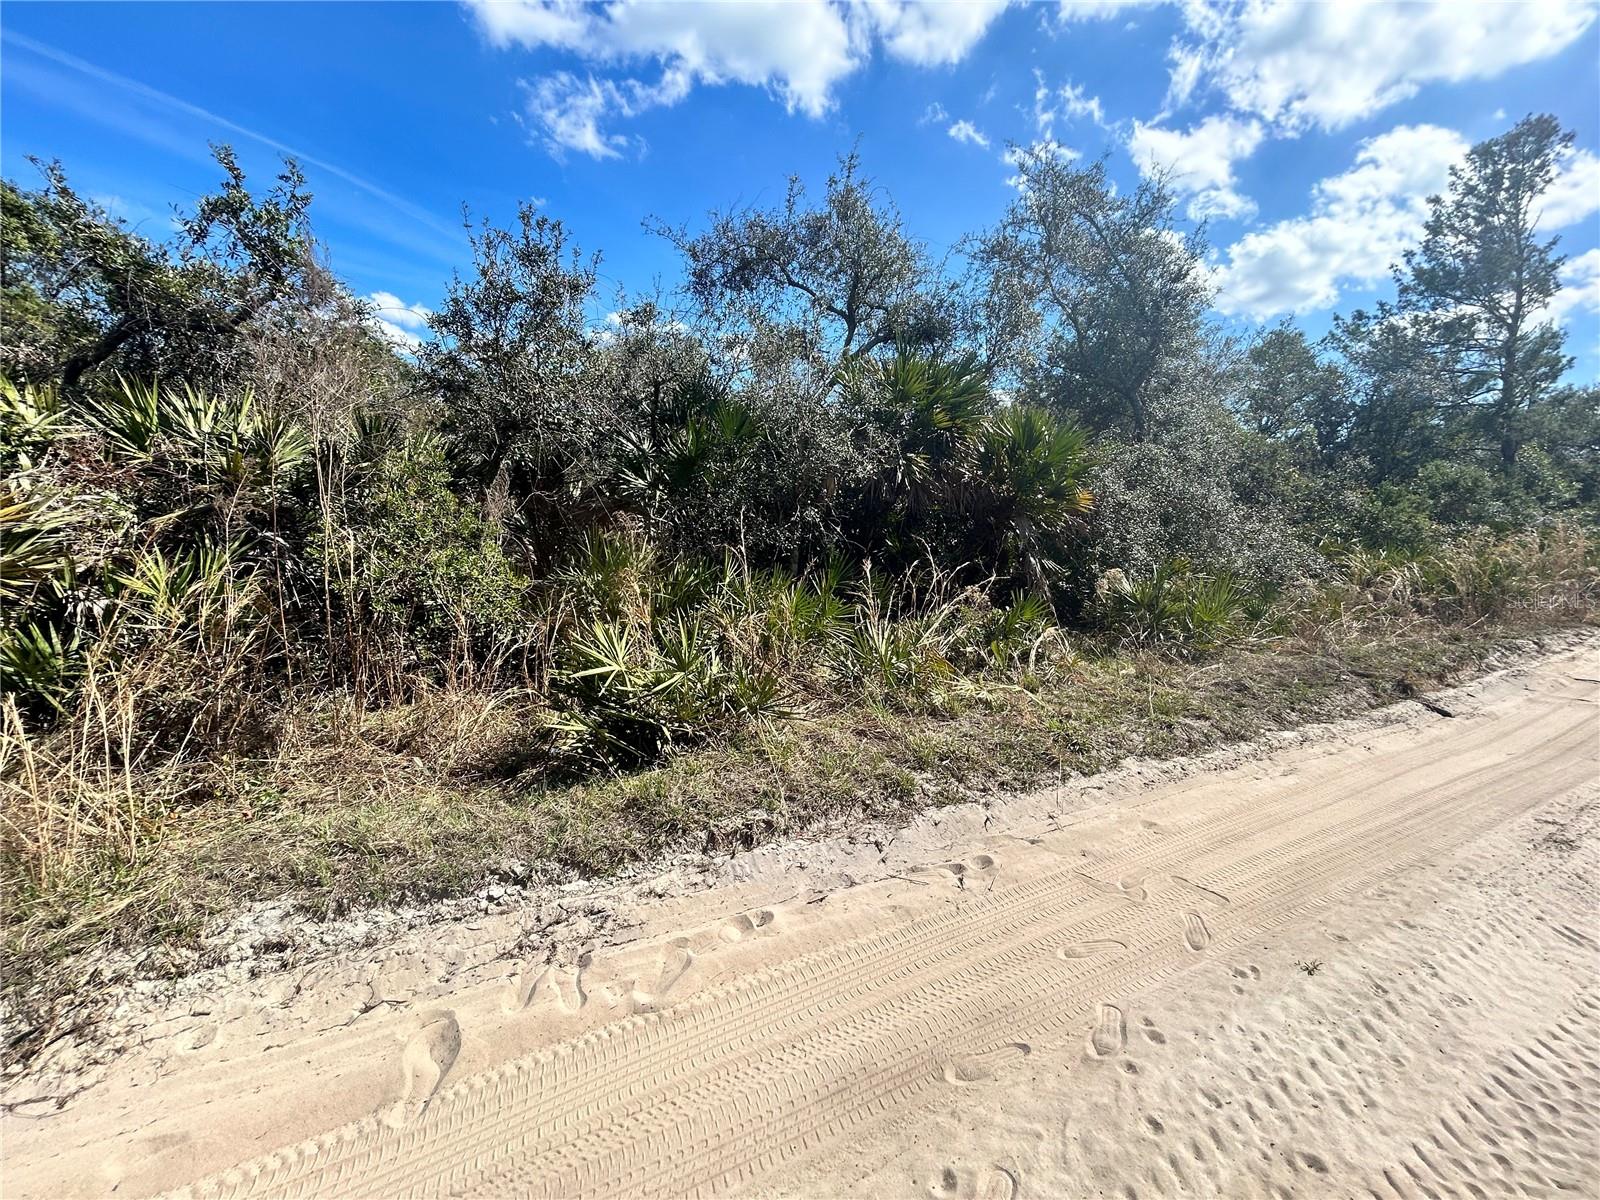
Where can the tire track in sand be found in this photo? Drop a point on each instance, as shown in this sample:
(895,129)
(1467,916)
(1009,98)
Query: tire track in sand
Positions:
(709,1093)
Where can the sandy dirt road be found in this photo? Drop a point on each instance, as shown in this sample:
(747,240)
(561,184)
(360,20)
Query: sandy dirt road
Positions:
(1365,966)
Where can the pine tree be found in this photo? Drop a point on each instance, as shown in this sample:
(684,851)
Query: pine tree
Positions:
(1476,285)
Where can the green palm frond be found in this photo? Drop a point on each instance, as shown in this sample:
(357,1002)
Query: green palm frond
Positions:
(31,420)
(35,541)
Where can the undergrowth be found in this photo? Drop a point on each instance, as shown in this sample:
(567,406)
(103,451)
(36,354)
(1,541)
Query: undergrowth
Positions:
(111,843)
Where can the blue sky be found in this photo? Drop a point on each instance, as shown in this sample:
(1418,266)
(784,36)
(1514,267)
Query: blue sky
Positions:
(1306,135)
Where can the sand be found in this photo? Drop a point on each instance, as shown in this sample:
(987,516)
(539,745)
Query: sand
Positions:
(1357,963)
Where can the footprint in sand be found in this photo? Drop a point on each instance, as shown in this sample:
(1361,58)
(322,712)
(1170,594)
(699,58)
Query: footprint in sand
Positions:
(200,1038)
(985,1183)
(1091,949)
(996,1183)
(553,983)
(1110,1033)
(676,958)
(736,929)
(1129,888)
(972,1068)
(978,867)
(1196,935)
(429,1054)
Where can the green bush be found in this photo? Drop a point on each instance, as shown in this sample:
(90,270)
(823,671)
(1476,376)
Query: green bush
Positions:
(1173,605)
(414,563)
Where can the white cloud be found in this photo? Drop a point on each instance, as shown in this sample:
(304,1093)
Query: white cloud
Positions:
(1188,64)
(567,111)
(1574,194)
(1579,295)
(933,33)
(797,49)
(1199,163)
(934,114)
(1069,102)
(1066,12)
(1092,10)
(400,323)
(966,131)
(1077,103)
(1360,223)
(1298,64)
(1044,110)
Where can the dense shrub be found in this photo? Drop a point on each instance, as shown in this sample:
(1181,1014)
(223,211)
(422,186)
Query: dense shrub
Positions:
(829,473)
(418,572)
(1160,502)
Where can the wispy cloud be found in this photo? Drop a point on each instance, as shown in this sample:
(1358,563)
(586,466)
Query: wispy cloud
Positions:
(1069,102)
(966,131)
(158,99)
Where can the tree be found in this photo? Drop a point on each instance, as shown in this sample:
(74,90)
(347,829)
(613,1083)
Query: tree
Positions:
(1103,277)
(646,358)
(1481,277)
(83,292)
(845,277)
(1402,387)
(1567,428)
(511,357)
(1288,393)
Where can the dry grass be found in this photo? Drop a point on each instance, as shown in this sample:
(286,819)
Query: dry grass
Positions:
(409,809)
(117,837)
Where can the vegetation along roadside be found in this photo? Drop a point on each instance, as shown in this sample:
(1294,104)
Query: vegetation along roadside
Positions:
(294,610)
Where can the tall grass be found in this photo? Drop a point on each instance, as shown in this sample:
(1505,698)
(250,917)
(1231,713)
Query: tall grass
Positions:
(175,677)
(1548,574)
(651,656)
